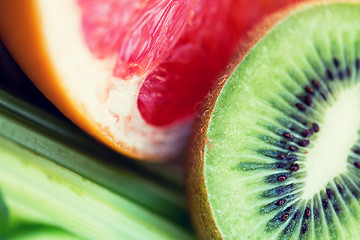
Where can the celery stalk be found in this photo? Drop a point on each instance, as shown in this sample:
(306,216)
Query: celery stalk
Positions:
(50,172)
(39,232)
(66,145)
(42,191)
(4,216)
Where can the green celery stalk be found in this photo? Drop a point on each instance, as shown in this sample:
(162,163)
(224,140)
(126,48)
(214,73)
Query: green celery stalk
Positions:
(52,173)
(39,232)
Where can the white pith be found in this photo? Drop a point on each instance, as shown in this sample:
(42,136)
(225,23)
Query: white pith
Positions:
(111,102)
(338,133)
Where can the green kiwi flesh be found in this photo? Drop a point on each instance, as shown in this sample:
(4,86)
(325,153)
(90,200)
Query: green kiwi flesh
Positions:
(282,155)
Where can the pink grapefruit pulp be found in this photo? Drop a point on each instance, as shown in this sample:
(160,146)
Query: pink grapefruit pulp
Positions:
(129,72)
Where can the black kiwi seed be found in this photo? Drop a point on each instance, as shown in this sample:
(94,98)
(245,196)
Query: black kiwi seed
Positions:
(315,127)
(355,193)
(329,74)
(303,142)
(315,83)
(288,136)
(357,164)
(309,90)
(336,62)
(308,100)
(324,203)
(282,178)
(280,156)
(301,107)
(348,72)
(293,148)
(294,168)
(357,63)
(337,208)
(280,202)
(329,193)
(307,213)
(275,205)
(340,189)
(276,178)
(357,151)
(284,217)
(307,133)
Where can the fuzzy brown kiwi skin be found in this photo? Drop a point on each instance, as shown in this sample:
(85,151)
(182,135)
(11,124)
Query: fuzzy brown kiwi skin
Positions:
(197,197)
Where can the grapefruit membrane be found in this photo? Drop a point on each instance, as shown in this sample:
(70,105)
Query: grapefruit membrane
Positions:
(132,72)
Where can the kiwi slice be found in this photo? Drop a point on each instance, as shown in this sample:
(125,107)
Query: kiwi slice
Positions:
(278,154)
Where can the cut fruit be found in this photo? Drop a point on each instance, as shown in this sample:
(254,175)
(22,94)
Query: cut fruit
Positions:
(277,152)
(131,73)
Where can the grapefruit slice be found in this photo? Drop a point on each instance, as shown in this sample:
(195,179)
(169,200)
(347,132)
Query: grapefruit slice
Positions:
(132,72)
